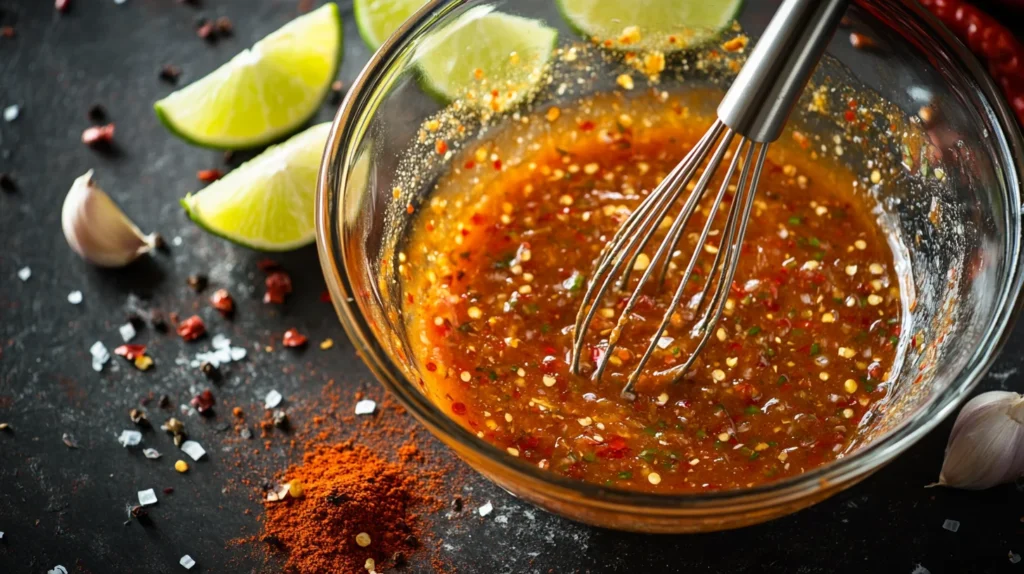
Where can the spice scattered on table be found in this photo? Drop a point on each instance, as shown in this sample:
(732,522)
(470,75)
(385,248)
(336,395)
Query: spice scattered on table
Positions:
(24,273)
(100,356)
(130,352)
(192,328)
(75,297)
(138,417)
(147,497)
(197,282)
(170,73)
(127,332)
(187,562)
(11,113)
(292,338)
(951,525)
(279,286)
(151,453)
(203,402)
(366,407)
(69,441)
(326,344)
(208,175)
(98,135)
(193,449)
(221,301)
(181,466)
(272,399)
(486,509)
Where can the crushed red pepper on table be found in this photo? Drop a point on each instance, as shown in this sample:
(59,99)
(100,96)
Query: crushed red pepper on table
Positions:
(292,338)
(98,135)
(221,301)
(192,328)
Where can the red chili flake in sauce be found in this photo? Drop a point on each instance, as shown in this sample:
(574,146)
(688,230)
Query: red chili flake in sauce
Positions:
(203,402)
(431,367)
(850,116)
(98,135)
(221,300)
(192,328)
(130,351)
(279,285)
(497,164)
(586,125)
(469,164)
(208,175)
(459,408)
(440,147)
(292,338)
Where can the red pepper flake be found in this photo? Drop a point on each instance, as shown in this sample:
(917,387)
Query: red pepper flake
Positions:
(267,264)
(440,147)
(203,402)
(98,135)
(431,367)
(7,31)
(224,26)
(62,5)
(192,328)
(497,164)
(292,338)
(469,164)
(279,285)
(206,31)
(586,125)
(860,41)
(221,300)
(459,408)
(208,175)
(130,351)
(170,73)
(850,116)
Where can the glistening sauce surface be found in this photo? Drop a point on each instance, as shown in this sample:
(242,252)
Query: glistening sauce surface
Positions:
(496,267)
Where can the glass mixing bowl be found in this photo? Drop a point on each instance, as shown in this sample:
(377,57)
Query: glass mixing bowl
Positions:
(952,158)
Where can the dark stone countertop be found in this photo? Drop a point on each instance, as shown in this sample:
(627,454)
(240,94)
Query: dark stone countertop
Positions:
(64,506)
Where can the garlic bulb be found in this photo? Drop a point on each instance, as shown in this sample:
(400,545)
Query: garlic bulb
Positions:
(986,446)
(98,230)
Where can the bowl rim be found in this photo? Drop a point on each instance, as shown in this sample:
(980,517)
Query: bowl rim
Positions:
(330,192)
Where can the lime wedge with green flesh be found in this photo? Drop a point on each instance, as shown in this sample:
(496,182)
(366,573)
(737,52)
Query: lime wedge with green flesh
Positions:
(267,202)
(665,25)
(483,53)
(263,93)
(378,19)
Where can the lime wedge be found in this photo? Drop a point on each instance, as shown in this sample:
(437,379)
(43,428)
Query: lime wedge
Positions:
(267,202)
(264,92)
(483,53)
(378,19)
(665,25)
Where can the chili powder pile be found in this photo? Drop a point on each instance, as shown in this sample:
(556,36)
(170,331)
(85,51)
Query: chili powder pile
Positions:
(350,490)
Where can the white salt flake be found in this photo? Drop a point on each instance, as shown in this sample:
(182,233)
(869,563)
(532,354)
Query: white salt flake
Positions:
(951,525)
(220,342)
(365,407)
(176,241)
(127,332)
(75,297)
(11,114)
(237,353)
(920,569)
(147,497)
(186,560)
(485,509)
(501,519)
(129,438)
(664,342)
(58,569)
(100,356)
(273,399)
(119,2)
(1013,556)
(151,453)
(24,273)
(193,449)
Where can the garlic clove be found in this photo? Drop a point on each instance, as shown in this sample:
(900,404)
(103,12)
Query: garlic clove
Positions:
(986,445)
(97,229)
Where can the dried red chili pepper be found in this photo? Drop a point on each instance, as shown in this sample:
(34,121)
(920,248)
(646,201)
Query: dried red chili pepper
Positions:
(130,351)
(192,328)
(208,175)
(292,338)
(98,135)
(279,285)
(203,402)
(221,300)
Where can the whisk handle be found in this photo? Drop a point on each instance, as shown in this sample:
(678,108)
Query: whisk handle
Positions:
(760,99)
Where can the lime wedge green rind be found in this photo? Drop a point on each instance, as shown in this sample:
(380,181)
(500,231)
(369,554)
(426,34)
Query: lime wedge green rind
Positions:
(266,203)
(484,40)
(699,21)
(376,20)
(263,93)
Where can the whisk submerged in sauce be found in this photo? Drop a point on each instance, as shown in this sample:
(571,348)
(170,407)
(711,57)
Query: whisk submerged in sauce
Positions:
(496,267)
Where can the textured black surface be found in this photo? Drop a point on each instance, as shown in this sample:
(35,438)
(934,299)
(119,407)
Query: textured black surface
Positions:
(64,506)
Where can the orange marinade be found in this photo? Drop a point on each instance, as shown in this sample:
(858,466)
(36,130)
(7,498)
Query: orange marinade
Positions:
(496,267)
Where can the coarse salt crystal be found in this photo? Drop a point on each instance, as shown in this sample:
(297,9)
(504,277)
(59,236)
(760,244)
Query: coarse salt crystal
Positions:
(151,453)
(24,273)
(75,297)
(58,569)
(486,509)
(127,332)
(1013,556)
(951,525)
(129,438)
(176,241)
(193,449)
(237,353)
(186,560)
(501,519)
(273,399)
(11,114)
(147,497)
(664,342)
(99,350)
(220,342)
(365,407)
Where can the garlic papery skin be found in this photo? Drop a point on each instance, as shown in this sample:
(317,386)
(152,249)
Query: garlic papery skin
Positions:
(97,229)
(986,446)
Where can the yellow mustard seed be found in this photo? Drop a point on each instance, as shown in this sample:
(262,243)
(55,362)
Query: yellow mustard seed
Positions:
(181,466)
(363,539)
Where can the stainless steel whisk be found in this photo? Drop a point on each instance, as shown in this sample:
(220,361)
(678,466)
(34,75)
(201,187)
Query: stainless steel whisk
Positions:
(754,112)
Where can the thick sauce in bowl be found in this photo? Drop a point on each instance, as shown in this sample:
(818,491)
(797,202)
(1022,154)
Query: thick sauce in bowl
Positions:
(497,264)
